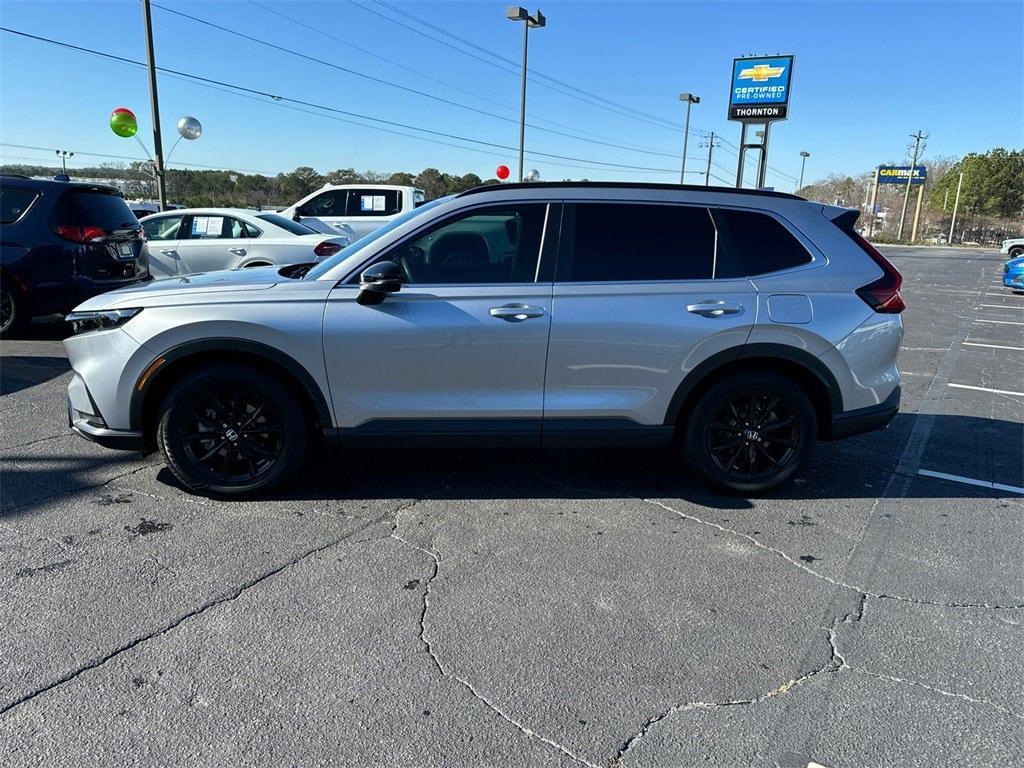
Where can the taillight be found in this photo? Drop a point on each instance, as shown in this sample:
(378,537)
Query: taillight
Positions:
(882,295)
(78,234)
(326,249)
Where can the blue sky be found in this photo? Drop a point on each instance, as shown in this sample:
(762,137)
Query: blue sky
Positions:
(867,75)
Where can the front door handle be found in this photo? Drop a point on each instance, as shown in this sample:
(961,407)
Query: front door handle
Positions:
(714,308)
(169,252)
(237,251)
(516,313)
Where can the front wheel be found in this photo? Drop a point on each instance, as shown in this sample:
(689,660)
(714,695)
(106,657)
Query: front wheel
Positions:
(1016,252)
(749,432)
(231,431)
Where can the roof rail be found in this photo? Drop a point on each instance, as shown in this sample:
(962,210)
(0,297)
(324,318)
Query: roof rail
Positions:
(628,185)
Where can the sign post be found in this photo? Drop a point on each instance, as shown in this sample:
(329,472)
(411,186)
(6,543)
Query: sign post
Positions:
(759,95)
(917,213)
(874,202)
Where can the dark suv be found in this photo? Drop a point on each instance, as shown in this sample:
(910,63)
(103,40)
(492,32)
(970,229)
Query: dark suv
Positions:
(62,243)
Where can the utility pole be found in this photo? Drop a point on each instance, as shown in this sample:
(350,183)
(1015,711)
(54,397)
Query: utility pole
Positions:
(711,148)
(158,147)
(690,100)
(803,164)
(956,204)
(518,13)
(918,138)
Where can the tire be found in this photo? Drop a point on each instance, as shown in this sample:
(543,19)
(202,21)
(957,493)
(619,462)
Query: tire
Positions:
(718,443)
(14,315)
(262,447)
(1016,251)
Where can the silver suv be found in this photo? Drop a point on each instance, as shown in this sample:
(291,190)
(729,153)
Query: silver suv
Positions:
(735,326)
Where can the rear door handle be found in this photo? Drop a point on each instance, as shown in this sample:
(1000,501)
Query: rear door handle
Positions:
(516,313)
(237,251)
(714,308)
(169,252)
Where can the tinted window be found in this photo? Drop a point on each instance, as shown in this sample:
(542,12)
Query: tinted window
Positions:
(494,245)
(13,203)
(162,227)
(755,243)
(94,209)
(287,224)
(329,203)
(613,242)
(374,202)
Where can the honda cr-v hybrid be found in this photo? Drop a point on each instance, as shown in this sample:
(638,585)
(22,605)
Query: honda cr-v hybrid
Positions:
(735,326)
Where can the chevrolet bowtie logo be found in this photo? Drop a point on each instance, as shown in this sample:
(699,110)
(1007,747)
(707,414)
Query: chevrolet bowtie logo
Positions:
(761,73)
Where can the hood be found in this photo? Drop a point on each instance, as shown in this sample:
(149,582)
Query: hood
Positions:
(1017,263)
(157,291)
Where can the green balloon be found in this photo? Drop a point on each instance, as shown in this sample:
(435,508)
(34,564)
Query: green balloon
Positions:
(123,122)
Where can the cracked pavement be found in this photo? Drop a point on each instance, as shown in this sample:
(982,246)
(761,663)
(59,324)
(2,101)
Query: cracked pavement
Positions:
(507,608)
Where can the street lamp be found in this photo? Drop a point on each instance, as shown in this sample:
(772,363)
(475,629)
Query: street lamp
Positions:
(64,155)
(518,13)
(690,100)
(803,163)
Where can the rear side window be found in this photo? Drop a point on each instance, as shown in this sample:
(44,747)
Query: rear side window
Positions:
(94,209)
(614,242)
(14,202)
(374,202)
(754,244)
(286,224)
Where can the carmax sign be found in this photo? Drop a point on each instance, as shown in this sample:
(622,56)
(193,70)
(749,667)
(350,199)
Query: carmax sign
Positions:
(760,88)
(898,174)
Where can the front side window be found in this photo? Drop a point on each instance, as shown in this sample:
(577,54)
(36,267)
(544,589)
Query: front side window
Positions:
(329,203)
(491,245)
(162,227)
(374,202)
(755,244)
(13,203)
(620,242)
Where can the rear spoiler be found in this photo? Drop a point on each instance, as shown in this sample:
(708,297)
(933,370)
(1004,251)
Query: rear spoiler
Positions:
(844,218)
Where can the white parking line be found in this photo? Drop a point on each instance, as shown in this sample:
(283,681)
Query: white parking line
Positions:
(971,481)
(991,346)
(999,306)
(987,389)
(1001,322)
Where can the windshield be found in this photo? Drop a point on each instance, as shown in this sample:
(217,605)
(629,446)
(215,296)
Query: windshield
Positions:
(287,224)
(324,266)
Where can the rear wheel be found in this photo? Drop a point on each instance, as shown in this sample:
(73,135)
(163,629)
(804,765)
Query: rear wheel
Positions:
(13,314)
(231,432)
(749,432)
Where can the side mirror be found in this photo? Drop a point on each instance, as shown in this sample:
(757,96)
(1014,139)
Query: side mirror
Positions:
(378,281)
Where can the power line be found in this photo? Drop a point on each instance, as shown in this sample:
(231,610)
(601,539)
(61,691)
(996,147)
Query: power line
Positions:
(400,87)
(336,110)
(134,159)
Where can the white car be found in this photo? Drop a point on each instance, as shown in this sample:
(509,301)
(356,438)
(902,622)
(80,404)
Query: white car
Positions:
(191,240)
(1013,247)
(354,210)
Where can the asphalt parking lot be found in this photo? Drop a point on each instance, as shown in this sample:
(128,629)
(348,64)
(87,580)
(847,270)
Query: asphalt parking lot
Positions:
(512,609)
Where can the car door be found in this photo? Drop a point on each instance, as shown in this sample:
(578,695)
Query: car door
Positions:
(636,305)
(461,348)
(162,233)
(210,242)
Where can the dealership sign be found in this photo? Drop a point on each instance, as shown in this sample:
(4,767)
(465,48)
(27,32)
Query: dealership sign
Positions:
(760,88)
(898,174)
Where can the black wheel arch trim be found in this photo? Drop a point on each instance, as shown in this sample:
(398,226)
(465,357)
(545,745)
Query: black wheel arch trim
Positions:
(270,354)
(766,350)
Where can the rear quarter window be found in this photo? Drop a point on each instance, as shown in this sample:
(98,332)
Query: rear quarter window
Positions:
(14,202)
(755,244)
(94,209)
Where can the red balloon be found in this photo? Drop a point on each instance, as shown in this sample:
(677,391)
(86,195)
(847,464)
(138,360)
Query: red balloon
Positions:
(502,172)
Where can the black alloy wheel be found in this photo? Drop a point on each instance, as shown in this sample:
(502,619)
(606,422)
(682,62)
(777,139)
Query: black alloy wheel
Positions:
(749,432)
(231,431)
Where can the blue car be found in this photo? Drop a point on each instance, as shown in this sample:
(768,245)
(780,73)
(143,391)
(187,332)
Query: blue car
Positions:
(1013,274)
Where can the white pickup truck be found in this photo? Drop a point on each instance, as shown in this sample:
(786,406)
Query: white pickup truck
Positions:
(353,210)
(1013,247)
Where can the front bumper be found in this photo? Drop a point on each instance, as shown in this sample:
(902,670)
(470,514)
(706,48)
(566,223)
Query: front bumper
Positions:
(85,420)
(863,420)
(1014,280)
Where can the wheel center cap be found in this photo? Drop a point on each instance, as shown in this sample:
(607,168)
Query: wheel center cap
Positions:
(751,435)
(231,435)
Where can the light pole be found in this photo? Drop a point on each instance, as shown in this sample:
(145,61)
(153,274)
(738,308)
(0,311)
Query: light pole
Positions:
(690,100)
(518,13)
(918,138)
(158,148)
(803,164)
(64,155)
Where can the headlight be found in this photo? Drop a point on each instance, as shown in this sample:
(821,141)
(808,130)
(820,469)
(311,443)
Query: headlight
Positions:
(100,320)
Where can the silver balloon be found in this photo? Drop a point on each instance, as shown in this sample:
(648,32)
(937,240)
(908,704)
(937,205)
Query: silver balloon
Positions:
(190,128)
(533,175)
